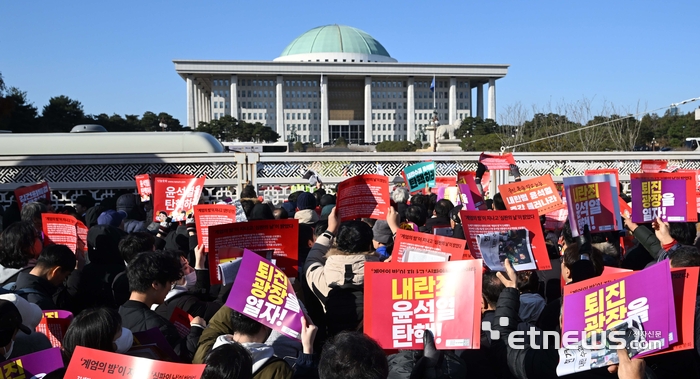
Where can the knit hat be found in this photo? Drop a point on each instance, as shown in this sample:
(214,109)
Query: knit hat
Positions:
(290,208)
(382,232)
(126,202)
(306,201)
(111,218)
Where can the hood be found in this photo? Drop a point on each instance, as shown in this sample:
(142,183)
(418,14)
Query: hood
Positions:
(531,306)
(177,241)
(177,290)
(92,214)
(103,244)
(7,273)
(306,216)
(343,270)
(260,352)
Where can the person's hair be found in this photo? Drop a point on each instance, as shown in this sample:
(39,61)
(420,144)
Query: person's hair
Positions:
(400,195)
(247,206)
(320,227)
(228,361)
(86,201)
(152,266)
(94,328)
(280,214)
(249,192)
(306,234)
(566,233)
(318,194)
(56,256)
(416,215)
(685,256)
(492,287)
(243,324)
(443,208)
(498,203)
(134,243)
(420,200)
(354,237)
(16,244)
(572,255)
(352,355)
(33,211)
(683,232)
(261,211)
(432,200)
(293,196)
(528,281)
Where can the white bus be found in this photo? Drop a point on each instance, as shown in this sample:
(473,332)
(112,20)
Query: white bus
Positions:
(254,147)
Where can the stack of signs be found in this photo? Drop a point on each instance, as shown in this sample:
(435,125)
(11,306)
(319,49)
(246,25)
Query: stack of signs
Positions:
(263,292)
(32,193)
(499,235)
(420,176)
(538,193)
(412,246)
(54,325)
(443,297)
(465,194)
(64,230)
(143,186)
(211,215)
(363,196)
(176,195)
(35,365)
(275,240)
(638,307)
(555,220)
(485,179)
(664,195)
(98,364)
(593,201)
(497,162)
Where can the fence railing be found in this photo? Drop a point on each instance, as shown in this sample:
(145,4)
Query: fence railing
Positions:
(274,173)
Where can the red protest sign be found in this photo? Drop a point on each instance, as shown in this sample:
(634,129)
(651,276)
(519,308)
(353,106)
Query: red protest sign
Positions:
(538,193)
(555,220)
(143,186)
(32,193)
(624,207)
(653,166)
(418,247)
(181,320)
(274,240)
(515,229)
(60,229)
(497,162)
(363,196)
(176,195)
(411,297)
(210,215)
(98,364)
(591,201)
(54,325)
(485,179)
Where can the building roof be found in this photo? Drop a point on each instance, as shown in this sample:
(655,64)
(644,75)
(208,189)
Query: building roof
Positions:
(335,39)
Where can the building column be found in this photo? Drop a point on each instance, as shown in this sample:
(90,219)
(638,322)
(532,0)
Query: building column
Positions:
(324,110)
(190,102)
(209,102)
(368,109)
(410,111)
(279,108)
(468,99)
(480,101)
(492,99)
(233,110)
(197,105)
(452,104)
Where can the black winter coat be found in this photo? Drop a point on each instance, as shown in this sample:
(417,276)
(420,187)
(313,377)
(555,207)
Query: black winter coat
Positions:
(137,317)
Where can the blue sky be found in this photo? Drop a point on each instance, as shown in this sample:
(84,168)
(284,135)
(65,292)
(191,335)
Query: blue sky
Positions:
(116,57)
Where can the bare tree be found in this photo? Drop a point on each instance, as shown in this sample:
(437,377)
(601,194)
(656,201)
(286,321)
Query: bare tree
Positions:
(624,130)
(511,120)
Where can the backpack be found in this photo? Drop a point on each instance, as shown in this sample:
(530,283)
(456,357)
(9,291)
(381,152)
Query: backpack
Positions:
(23,292)
(344,309)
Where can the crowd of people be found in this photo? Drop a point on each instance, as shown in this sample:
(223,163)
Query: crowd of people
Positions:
(135,273)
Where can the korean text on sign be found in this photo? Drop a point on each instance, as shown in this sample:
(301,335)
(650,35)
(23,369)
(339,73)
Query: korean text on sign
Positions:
(587,204)
(653,202)
(420,303)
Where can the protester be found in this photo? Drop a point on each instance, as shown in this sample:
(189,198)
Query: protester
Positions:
(32,212)
(441,215)
(31,316)
(306,209)
(135,219)
(351,355)
(151,275)
(228,361)
(10,325)
(280,214)
(38,286)
(20,245)
(82,204)
(96,328)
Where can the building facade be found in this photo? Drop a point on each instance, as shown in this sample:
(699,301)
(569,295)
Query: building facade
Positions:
(337,81)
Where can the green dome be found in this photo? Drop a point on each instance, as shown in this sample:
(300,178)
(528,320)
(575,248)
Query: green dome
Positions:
(336,39)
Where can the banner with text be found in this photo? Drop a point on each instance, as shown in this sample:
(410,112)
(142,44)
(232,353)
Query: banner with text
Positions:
(513,235)
(275,240)
(420,176)
(593,201)
(34,365)
(363,196)
(443,297)
(143,186)
(263,292)
(538,193)
(497,162)
(32,193)
(665,195)
(210,215)
(410,246)
(176,195)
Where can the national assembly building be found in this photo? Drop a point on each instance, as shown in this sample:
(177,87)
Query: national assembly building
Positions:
(337,81)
